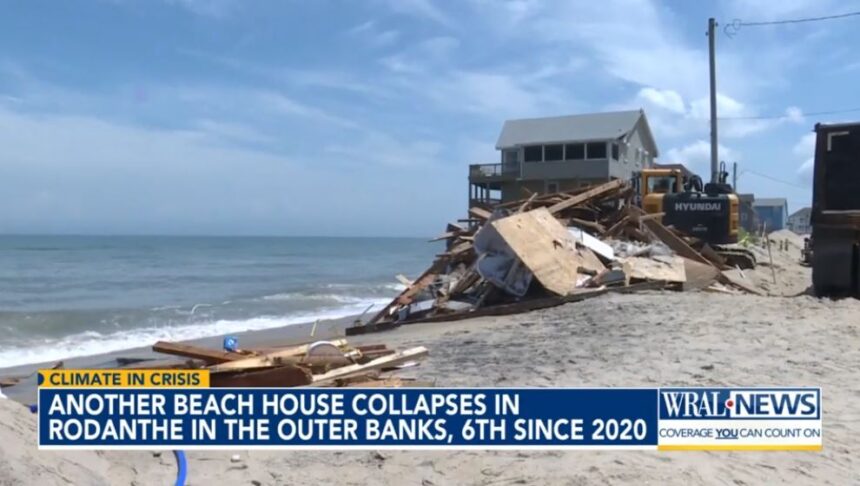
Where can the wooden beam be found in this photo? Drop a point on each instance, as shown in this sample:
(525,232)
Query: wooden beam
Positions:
(585,196)
(378,364)
(282,376)
(526,204)
(673,241)
(421,282)
(196,352)
(276,358)
(480,213)
(592,225)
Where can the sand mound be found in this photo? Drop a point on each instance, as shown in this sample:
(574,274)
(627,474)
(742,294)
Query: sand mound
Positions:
(22,463)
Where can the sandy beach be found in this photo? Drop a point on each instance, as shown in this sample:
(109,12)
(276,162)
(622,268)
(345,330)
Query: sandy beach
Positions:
(646,339)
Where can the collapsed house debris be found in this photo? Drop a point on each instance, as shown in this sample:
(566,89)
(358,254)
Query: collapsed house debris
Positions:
(550,249)
(321,363)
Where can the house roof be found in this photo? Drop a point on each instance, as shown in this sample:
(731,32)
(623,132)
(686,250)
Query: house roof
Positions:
(771,201)
(573,128)
(801,213)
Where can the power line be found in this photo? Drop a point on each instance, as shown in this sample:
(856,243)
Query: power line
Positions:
(802,113)
(732,28)
(773,179)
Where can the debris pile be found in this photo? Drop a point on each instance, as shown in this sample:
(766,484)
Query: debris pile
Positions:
(322,363)
(550,249)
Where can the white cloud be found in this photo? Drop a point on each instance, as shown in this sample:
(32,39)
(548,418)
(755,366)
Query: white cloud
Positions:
(373,34)
(423,9)
(666,99)
(284,104)
(207,8)
(697,156)
(805,150)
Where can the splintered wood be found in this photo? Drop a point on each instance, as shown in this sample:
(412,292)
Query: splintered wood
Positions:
(321,363)
(546,249)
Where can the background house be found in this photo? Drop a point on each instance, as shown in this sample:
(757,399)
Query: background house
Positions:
(748,219)
(799,221)
(545,155)
(772,212)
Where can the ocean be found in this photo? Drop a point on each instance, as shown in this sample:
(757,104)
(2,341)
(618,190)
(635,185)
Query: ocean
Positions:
(68,296)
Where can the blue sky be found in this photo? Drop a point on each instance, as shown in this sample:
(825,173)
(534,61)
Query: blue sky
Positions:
(360,117)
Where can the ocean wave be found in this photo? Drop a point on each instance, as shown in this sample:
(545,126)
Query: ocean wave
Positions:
(289,296)
(90,343)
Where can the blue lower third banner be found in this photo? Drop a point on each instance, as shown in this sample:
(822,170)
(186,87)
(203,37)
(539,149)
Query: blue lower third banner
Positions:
(419,418)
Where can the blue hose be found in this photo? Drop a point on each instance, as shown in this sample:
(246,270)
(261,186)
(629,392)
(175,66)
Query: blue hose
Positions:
(181,468)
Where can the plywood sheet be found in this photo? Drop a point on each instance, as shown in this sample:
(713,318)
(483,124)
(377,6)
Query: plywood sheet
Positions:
(667,268)
(544,246)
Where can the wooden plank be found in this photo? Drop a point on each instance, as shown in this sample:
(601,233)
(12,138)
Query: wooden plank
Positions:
(403,280)
(616,228)
(480,213)
(674,242)
(726,278)
(378,364)
(590,262)
(432,270)
(592,225)
(585,196)
(643,268)
(196,352)
(282,376)
(289,355)
(699,275)
(526,204)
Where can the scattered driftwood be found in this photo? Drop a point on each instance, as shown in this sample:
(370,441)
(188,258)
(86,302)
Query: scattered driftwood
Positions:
(548,249)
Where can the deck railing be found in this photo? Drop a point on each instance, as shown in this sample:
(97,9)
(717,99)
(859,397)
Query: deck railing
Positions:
(493,170)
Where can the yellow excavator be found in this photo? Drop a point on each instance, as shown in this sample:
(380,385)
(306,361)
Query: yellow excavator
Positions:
(711,213)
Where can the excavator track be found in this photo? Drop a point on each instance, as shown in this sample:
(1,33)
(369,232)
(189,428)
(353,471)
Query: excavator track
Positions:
(736,256)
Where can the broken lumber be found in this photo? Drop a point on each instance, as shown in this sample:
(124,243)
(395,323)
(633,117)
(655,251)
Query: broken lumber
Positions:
(290,355)
(281,376)
(673,241)
(587,195)
(378,364)
(480,213)
(196,352)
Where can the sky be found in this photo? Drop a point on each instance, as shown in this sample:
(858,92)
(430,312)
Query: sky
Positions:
(360,117)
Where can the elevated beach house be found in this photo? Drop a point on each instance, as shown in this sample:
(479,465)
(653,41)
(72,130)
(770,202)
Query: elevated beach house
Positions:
(545,155)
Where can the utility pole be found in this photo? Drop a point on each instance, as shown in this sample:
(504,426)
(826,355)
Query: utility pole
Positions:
(712,24)
(735,177)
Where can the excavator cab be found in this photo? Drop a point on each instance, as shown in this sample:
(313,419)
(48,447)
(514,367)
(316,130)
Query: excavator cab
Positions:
(710,213)
(655,184)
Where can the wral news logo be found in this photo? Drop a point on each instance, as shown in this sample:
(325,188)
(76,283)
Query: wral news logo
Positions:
(739,419)
(740,403)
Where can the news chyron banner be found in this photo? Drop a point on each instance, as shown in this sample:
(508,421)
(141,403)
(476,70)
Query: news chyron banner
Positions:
(170,409)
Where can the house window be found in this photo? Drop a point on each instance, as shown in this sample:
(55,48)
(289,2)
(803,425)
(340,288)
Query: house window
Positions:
(595,150)
(553,152)
(615,151)
(551,187)
(574,151)
(511,156)
(533,153)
